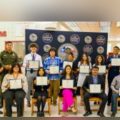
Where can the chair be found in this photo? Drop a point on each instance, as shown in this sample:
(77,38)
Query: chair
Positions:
(4,109)
(33,102)
(118,100)
(95,99)
(60,100)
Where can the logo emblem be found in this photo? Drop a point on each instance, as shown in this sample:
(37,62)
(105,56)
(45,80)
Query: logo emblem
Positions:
(75,39)
(88,39)
(88,49)
(46,48)
(33,37)
(61,38)
(47,37)
(65,49)
(100,40)
(100,50)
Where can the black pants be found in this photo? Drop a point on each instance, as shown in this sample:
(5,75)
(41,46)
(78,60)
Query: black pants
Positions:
(87,103)
(41,100)
(9,96)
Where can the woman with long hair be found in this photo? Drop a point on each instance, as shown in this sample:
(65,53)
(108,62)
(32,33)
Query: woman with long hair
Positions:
(68,93)
(83,62)
(40,93)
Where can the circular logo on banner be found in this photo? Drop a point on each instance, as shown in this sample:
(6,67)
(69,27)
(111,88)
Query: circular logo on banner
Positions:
(100,40)
(61,38)
(65,49)
(47,37)
(88,49)
(47,48)
(33,37)
(88,39)
(100,50)
(74,39)
(32,43)
(45,56)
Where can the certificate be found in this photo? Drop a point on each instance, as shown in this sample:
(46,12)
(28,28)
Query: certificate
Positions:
(67,83)
(54,69)
(67,63)
(84,69)
(41,81)
(95,88)
(119,91)
(34,64)
(15,84)
(115,62)
(102,69)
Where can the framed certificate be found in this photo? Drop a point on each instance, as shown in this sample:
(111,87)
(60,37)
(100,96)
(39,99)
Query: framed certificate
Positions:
(102,69)
(115,62)
(95,88)
(34,64)
(84,69)
(67,83)
(67,63)
(54,69)
(41,81)
(15,84)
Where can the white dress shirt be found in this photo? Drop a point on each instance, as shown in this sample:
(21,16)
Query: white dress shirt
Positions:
(29,57)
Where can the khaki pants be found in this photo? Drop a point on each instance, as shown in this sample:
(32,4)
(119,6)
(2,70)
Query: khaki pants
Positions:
(54,89)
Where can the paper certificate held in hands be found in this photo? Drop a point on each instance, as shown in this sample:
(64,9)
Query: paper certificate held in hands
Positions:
(67,83)
(84,69)
(102,69)
(119,91)
(95,88)
(54,69)
(67,63)
(15,84)
(115,62)
(41,81)
(33,64)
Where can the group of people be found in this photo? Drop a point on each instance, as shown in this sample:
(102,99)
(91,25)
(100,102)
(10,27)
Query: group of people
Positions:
(81,76)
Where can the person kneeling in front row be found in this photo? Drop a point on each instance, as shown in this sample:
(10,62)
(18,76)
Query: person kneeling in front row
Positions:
(91,81)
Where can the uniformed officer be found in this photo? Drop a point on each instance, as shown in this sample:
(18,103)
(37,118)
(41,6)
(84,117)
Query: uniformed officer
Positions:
(7,58)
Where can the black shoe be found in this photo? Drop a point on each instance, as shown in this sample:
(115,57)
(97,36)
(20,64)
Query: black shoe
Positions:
(113,114)
(38,114)
(100,114)
(108,104)
(28,104)
(42,114)
(87,113)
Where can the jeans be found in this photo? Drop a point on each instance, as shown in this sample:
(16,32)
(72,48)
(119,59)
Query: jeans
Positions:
(114,102)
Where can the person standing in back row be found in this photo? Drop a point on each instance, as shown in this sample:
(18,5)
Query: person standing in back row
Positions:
(31,72)
(112,71)
(54,62)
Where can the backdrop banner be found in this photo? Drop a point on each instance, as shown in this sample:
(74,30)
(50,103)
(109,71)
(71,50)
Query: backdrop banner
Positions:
(77,42)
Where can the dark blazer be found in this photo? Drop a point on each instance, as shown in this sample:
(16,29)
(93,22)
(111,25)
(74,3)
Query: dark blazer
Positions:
(114,70)
(89,80)
(74,84)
